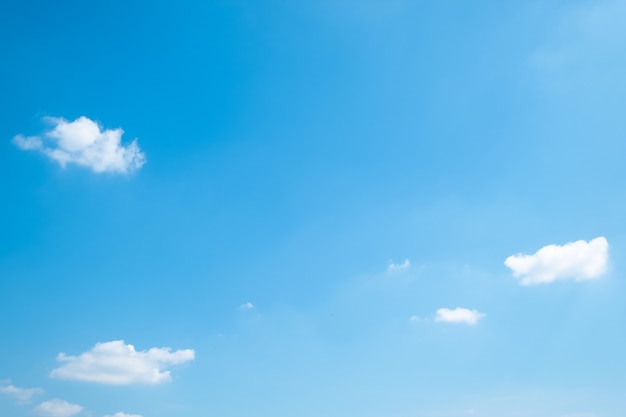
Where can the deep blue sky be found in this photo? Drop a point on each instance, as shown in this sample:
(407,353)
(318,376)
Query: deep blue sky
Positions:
(296,150)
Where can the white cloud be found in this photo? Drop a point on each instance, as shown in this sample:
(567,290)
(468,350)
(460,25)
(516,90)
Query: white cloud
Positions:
(117,363)
(578,260)
(398,267)
(246,306)
(415,318)
(120,414)
(84,142)
(22,395)
(57,408)
(458,315)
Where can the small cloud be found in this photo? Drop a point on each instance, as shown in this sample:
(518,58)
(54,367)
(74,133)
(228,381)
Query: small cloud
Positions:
(57,408)
(27,143)
(84,142)
(399,267)
(459,315)
(120,414)
(22,395)
(117,363)
(578,260)
(415,318)
(246,306)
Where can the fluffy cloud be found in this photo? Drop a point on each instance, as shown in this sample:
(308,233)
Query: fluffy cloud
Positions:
(578,260)
(84,142)
(398,267)
(246,306)
(458,315)
(120,414)
(22,395)
(57,408)
(117,363)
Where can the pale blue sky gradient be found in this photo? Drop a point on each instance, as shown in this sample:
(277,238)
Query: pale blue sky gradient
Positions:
(294,150)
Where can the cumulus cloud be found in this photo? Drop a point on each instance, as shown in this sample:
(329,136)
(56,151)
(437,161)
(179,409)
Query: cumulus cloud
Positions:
(246,306)
(398,267)
(57,408)
(117,363)
(22,395)
(578,260)
(84,142)
(120,414)
(458,315)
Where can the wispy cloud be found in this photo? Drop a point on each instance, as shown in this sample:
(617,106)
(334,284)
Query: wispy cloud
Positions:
(587,38)
(459,315)
(117,363)
(581,415)
(246,306)
(57,408)
(578,260)
(84,142)
(399,267)
(22,395)
(121,414)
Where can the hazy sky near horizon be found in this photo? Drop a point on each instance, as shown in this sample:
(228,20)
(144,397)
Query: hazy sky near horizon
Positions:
(400,208)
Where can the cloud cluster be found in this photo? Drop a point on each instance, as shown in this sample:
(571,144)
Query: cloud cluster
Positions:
(84,142)
(458,315)
(57,408)
(117,363)
(399,267)
(22,395)
(578,260)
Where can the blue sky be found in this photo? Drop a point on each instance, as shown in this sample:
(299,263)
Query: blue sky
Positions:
(317,208)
